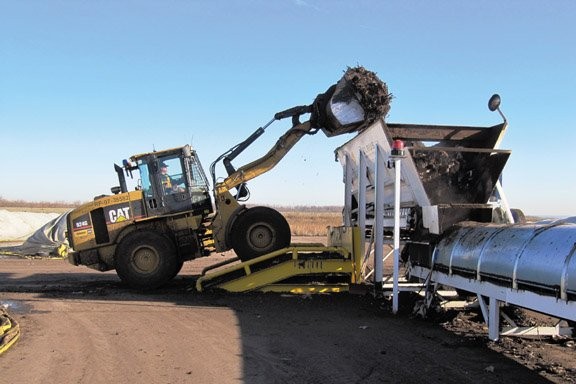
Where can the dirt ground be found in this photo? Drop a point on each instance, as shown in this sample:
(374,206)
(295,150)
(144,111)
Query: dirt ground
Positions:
(82,326)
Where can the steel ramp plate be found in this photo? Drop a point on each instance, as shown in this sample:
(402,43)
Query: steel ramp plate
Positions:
(316,263)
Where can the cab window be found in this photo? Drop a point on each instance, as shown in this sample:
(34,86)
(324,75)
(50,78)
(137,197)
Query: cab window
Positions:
(171,175)
(199,182)
(145,179)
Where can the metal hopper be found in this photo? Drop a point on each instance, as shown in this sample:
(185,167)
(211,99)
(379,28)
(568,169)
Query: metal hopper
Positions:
(448,175)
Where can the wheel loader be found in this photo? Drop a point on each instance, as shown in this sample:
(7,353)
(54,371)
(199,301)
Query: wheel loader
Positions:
(148,233)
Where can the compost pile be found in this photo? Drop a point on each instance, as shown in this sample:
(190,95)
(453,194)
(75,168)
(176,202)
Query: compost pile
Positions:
(455,177)
(374,95)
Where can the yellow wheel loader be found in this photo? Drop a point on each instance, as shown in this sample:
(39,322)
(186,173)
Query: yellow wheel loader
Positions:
(147,234)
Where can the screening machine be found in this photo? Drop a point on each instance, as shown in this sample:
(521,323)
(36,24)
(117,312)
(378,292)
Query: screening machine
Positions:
(436,190)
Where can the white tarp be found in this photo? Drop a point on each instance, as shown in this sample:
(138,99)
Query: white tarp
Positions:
(41,233)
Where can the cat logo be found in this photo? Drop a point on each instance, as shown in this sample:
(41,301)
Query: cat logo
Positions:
(119,215)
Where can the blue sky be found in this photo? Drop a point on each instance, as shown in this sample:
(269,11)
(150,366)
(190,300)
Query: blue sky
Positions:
(86,83)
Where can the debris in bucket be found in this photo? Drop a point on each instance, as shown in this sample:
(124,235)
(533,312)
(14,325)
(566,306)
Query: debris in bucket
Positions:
(374,96)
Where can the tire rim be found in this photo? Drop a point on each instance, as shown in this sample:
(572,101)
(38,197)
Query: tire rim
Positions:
(145,259)
(261,236)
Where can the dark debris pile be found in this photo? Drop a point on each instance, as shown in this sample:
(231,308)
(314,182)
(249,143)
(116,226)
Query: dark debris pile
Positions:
(374,95)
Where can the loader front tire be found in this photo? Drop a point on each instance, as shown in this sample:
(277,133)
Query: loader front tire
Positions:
(258,231)
(146,260)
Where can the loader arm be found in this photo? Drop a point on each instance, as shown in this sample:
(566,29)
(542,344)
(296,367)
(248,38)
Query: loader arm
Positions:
(265,163)
(352,104)
(355,101)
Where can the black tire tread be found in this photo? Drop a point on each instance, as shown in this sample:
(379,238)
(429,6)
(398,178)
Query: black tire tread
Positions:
(169,265)
(267,216)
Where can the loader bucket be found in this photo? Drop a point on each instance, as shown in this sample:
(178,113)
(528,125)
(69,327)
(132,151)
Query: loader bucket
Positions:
(355,102)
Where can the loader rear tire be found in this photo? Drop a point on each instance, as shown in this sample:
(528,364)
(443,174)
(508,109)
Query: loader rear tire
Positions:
(258,231)
(146,260)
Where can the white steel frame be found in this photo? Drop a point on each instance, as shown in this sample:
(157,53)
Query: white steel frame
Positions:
(491,297)
(382,162)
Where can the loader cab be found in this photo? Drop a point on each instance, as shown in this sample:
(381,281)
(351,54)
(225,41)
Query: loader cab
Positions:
(173,181)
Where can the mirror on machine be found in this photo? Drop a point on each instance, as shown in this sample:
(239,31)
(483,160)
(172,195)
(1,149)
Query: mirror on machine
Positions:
(494,105)
(494,102)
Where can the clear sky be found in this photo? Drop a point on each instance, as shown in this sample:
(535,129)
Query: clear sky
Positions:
(86,83)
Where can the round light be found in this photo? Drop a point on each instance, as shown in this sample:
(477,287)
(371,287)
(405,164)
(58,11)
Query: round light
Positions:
(398,145)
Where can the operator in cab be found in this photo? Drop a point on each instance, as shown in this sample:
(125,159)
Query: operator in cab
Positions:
(169,184)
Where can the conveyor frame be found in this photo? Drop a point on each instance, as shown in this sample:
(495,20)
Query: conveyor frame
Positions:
(491,297)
